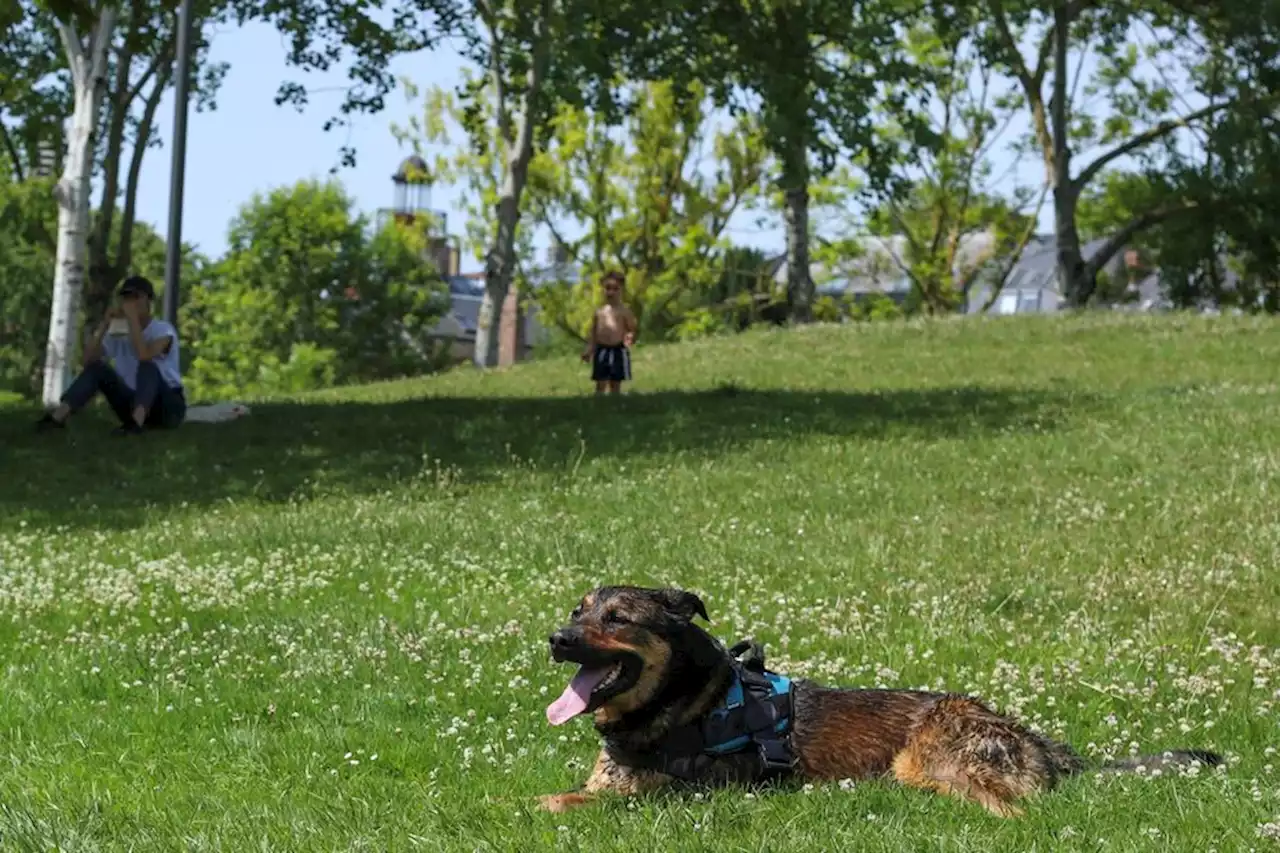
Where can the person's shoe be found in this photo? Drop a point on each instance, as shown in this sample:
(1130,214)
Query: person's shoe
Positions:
(127,429)
(48,422)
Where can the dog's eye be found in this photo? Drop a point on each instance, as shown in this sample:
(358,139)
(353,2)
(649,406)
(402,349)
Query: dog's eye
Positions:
(577,612)
(612,616)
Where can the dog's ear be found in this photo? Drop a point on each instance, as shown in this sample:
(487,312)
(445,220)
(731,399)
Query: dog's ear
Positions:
(683,605)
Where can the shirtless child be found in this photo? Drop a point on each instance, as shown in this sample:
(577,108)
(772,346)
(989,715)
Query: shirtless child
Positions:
(613,331)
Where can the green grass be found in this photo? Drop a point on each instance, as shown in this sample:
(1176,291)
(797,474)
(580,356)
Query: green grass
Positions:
(203,632)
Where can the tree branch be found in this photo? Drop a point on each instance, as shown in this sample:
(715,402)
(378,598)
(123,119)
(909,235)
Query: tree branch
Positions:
(1141,222)
(124,253)
(942,212)
(97,45)
(19,173)
(598,193)
(971,167)
(100,237)
(545,218)
(1070,12)
(1014,256)
(74,49)
(901,222)
(1059,104)
(164,56)
(994,135)
(902,265)
(1042,57)
(1031,85)
(501,108)
(1013,55)
(1163,129)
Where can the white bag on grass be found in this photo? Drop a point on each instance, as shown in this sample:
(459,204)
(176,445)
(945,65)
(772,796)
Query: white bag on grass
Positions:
(216,413)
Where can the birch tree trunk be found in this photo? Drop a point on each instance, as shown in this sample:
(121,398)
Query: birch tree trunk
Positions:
(499,262)
(88,66)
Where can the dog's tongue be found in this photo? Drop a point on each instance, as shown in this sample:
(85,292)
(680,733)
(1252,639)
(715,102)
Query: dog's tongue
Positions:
(573,701)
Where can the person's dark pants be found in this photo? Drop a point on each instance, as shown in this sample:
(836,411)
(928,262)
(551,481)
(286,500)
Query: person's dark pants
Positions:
(166,407)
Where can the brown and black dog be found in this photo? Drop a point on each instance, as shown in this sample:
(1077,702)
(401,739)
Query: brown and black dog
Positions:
(646,670)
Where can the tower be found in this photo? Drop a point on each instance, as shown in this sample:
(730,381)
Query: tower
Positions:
(411,205)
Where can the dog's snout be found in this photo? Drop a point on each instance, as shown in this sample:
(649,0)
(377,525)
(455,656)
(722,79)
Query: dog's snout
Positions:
(563,641)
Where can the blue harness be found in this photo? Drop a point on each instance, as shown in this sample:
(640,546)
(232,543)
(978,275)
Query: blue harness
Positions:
(756,710)
(755,714)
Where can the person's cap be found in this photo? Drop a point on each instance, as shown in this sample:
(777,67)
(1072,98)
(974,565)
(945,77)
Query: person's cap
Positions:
(137,286)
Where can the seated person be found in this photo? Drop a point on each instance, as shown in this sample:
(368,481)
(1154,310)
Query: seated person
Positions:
(144,387)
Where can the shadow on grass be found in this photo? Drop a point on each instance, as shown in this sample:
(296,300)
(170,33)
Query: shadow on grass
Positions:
(85,477)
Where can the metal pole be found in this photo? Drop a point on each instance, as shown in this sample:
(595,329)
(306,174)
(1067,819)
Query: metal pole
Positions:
(178,170)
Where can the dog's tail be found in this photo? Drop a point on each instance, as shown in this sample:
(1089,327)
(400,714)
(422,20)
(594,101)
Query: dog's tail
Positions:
(1166,760)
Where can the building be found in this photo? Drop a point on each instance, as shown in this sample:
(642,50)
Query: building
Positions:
(1032,284)
(458,327)
(1030,288)
(411,205)
(880,269)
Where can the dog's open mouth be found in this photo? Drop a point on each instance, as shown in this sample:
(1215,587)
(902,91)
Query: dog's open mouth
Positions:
(592,687)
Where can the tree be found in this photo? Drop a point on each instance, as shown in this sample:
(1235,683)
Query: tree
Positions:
(142,66)
(1228,255)
(537,56)
(27,244)
(945,209)
(87,63)
(321,33)
(1143,122)
(34,100)
(518,108)
(643,205)
(100,66)
(820,72)
(307,297)
(952,239)
(634,193)
(745,292)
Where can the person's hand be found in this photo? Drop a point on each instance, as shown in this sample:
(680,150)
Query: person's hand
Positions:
(628,339)
(113,313)
(586,355)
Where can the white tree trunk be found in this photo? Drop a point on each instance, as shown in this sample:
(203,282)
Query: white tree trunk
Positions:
(500,259)
(88,73)
(499,265)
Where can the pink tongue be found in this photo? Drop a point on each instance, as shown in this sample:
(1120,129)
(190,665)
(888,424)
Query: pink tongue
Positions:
(573,701)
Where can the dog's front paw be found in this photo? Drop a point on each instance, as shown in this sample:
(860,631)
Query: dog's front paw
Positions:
(558,803)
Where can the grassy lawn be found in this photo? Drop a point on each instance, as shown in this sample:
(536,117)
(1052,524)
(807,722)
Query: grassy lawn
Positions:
(324,627)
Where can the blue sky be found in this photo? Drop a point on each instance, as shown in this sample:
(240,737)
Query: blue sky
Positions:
(250,145)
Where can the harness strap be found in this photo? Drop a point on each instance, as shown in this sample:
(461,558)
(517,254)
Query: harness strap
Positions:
(757,711)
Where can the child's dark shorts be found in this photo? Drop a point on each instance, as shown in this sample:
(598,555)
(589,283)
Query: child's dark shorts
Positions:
(612,364)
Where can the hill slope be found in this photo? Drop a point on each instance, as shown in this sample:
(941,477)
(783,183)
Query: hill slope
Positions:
(324,627)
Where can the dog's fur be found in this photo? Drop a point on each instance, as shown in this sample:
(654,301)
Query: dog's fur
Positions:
(675,673)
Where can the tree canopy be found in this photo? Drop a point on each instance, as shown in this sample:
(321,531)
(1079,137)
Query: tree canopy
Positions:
(876,136)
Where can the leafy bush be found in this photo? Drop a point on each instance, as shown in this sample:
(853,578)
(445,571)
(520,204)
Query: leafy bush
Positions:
(27,258)
(877,307)
(827,309)
(307,297)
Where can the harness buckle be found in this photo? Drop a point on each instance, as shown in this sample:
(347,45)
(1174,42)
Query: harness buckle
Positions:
(775,755)
(754,655)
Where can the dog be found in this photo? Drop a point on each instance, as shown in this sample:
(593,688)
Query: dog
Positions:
(656,685)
